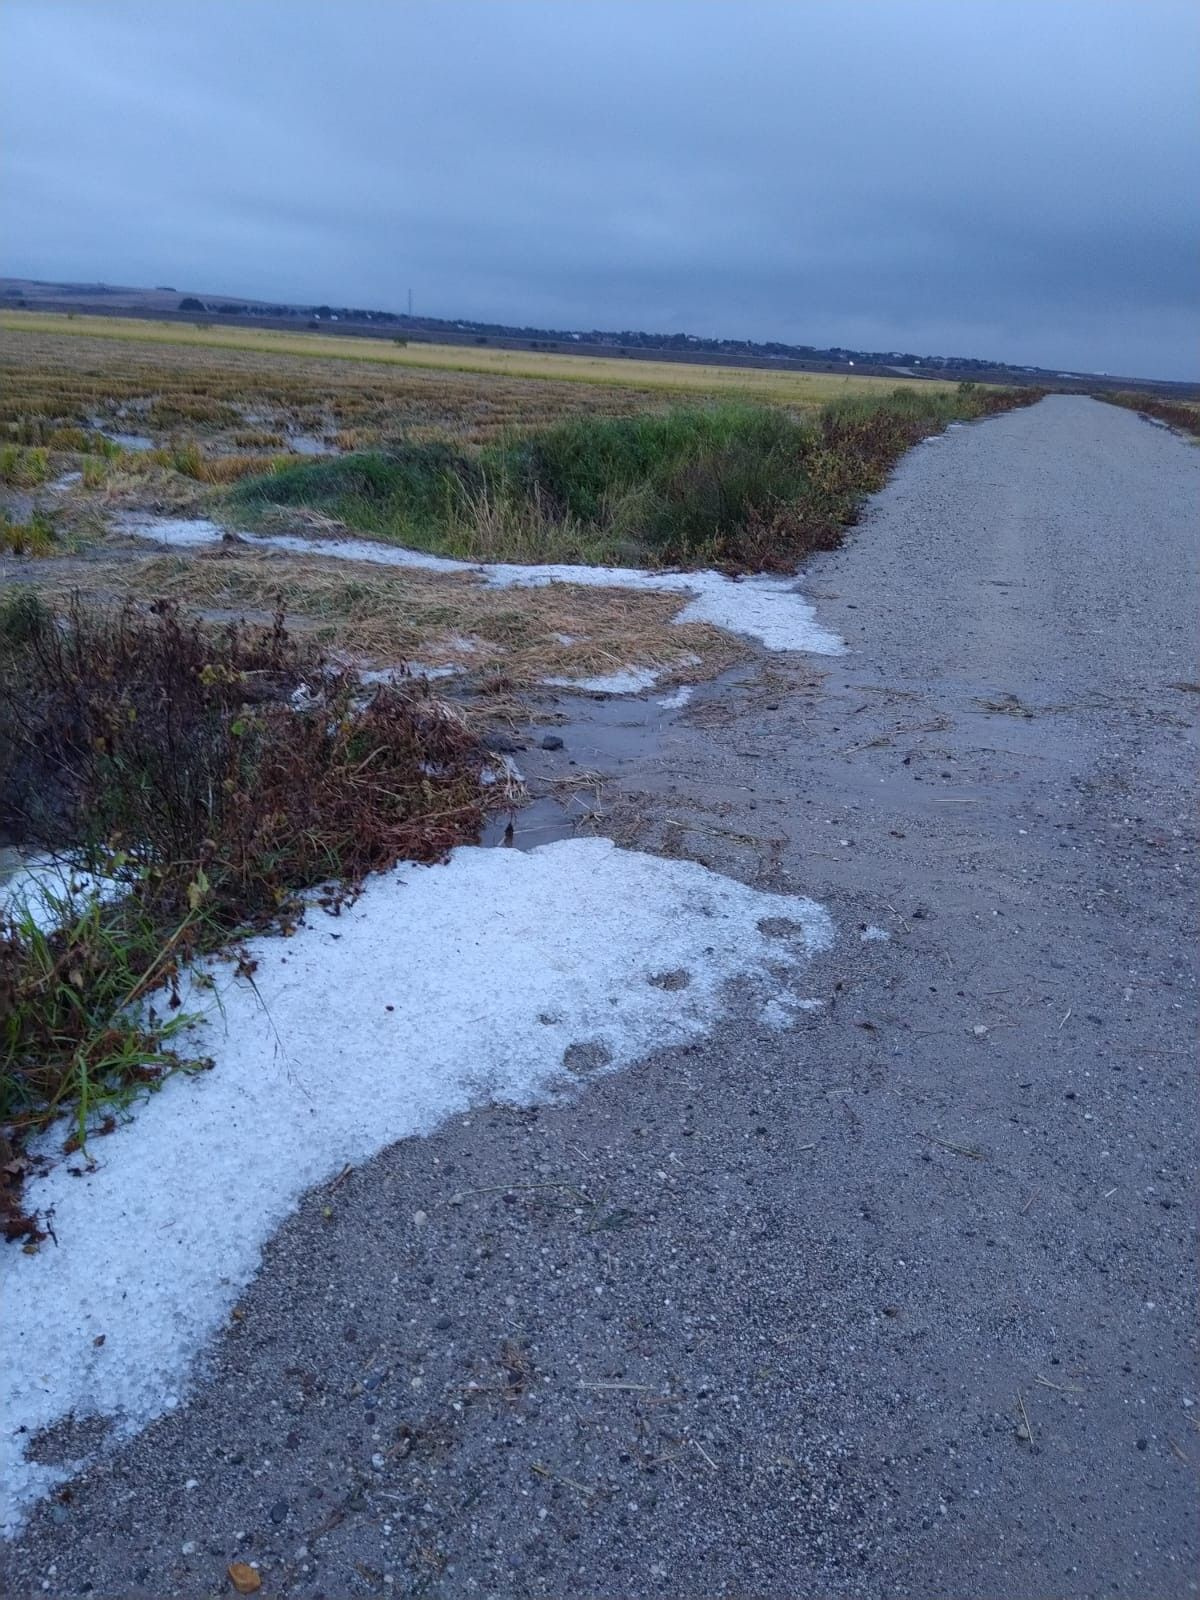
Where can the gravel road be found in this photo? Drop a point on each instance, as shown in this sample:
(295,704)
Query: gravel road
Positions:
(898,1300)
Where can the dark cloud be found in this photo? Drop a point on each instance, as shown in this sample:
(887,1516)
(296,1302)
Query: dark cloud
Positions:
(1008,178)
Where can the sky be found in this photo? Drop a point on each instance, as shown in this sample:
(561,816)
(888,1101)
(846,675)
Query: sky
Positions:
(1010,179)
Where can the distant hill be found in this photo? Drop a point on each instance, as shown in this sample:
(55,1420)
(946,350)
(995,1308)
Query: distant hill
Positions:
(634,344)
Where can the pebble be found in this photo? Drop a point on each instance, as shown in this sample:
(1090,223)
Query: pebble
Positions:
(551,741)
(279,1511)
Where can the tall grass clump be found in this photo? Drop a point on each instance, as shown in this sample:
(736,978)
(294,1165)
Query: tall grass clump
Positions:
(187,458)
(35,537)
(203,778)
(413,492)
(739,486)
(23,467)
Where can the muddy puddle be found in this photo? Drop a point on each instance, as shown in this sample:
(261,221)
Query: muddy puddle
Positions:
(605,742)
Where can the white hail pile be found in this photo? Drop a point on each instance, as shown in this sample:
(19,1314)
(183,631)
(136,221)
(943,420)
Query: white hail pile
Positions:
(440,988)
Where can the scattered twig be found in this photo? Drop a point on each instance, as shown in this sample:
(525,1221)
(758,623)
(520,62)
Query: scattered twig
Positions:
(644,1388)
(1028,1433)
(705,1454)
(958,1149)
(571,1483)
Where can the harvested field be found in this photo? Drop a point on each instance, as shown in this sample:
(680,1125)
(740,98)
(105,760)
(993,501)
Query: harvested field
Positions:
(381,616)
(545,461)
(793,388)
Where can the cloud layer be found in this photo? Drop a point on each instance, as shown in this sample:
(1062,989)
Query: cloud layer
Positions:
(1004,178)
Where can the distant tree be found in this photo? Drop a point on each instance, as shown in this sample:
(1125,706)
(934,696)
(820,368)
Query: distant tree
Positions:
(190,303)
(323,311)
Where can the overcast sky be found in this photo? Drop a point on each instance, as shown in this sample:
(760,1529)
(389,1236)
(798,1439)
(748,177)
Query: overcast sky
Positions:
(1004,178)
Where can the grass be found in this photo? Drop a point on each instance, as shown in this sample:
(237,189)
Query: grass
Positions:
(1180,414)
(216,412)
(732,485)
(764,383)
(24,467)
(385,615)
(172,762)
(34,537)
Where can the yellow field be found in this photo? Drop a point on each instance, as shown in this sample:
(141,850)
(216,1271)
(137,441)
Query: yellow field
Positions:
(795,388)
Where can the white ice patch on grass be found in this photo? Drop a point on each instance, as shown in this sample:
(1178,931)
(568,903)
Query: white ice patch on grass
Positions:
(47,891)
(677,697)
(411,669)
(185,533)
(630,680)
(439,988)
(873,935)
(771,610)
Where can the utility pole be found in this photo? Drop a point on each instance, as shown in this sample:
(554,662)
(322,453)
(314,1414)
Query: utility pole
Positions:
(410,303)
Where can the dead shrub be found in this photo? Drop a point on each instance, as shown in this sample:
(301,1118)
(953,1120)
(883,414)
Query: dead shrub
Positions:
(207,777)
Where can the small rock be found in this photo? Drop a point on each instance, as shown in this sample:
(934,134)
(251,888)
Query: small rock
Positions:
(378,1462)
(500,744)
(244,1578)
(420,1218)
(188,1548)
(279,1511)
(551,741)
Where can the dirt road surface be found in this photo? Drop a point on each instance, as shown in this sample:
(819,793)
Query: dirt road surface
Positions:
(894,1299)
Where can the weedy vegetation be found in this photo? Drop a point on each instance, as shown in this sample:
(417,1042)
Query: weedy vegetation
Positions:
(735,486)
(23,467)
(192,782)
(36,536)
(1183,415)
(363,613)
